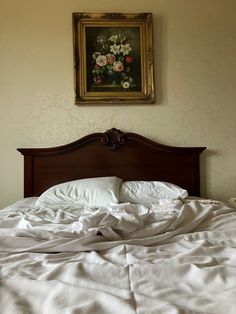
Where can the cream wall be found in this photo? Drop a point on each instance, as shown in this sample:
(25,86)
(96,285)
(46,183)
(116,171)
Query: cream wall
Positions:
(195,66)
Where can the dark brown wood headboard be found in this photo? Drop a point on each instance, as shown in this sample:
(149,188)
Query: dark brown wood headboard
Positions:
(127,155)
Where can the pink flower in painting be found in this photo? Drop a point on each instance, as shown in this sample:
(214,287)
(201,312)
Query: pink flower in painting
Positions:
(110,58)
(97,66)
(101,60)
(129,59)
(118,66)
(98,80)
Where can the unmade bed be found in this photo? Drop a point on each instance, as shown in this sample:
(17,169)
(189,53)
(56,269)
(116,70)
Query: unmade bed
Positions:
(114,223)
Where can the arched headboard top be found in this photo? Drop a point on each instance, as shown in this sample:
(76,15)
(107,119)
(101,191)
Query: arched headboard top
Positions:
(129,156)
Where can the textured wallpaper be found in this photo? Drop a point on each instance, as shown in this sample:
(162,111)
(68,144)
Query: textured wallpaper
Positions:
(195,74)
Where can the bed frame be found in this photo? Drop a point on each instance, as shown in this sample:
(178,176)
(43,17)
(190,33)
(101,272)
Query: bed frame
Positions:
(127,155)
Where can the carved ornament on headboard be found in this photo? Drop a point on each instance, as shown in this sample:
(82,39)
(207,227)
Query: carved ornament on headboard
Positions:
(113,138)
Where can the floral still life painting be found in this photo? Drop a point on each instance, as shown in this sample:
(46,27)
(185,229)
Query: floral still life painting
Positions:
(113,58)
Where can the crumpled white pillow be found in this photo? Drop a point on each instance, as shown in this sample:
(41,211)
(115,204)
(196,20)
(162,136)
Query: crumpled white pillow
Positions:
(92,192)
(147,192)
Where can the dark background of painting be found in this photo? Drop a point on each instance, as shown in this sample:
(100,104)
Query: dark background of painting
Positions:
(91,37)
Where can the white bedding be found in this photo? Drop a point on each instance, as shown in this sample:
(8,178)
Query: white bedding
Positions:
(171,257)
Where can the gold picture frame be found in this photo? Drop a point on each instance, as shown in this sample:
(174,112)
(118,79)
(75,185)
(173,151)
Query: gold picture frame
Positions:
(113,58)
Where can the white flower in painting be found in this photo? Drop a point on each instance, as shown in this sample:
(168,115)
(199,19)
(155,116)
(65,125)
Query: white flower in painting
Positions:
(122,39)
(95,55)
(101,39)
(115,49)
(101,60)
(125,49)
(113,38)
(126,85)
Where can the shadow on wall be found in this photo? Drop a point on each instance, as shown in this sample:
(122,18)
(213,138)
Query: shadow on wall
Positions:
(205,171)
(160,62)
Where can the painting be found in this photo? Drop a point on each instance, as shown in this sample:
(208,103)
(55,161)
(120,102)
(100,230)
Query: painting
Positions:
(113,58)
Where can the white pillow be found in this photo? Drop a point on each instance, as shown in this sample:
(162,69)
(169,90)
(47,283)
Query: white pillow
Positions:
(149,191)
(92,192)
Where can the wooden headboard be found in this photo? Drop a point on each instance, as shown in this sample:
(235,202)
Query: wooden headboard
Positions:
(127,155)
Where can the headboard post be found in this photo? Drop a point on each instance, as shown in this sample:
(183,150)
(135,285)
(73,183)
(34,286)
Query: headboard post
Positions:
(28,176)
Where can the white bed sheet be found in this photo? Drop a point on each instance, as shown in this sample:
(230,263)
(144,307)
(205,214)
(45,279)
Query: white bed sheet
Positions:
(164,258)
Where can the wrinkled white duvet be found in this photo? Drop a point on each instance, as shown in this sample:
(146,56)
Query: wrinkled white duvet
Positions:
(171,257)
